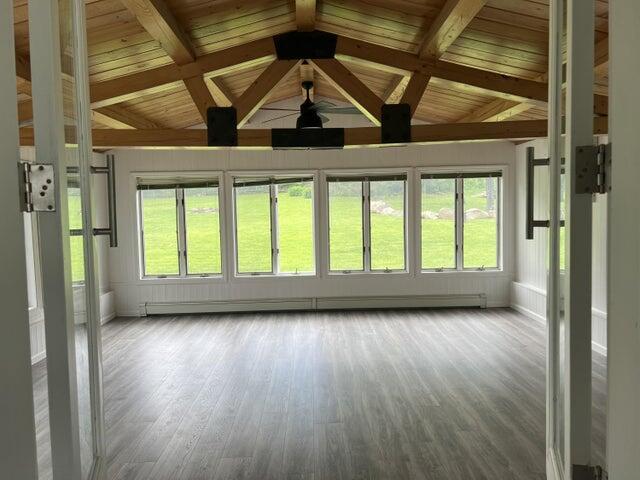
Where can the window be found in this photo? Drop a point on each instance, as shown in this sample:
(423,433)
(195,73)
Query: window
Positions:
(367,223)
(461,221)
(179,227)
(76,240)
(274,225)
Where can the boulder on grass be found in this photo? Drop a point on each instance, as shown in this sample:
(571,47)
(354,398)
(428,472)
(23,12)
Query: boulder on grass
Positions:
(429,215)
(446,213)
(475,214)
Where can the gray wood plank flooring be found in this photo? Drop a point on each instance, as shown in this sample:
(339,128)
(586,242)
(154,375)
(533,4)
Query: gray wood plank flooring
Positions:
(428,394)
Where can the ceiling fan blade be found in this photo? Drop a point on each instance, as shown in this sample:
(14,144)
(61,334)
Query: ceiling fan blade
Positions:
(281,117)
(323,118)
(273,109)
(324,103)
(339,110)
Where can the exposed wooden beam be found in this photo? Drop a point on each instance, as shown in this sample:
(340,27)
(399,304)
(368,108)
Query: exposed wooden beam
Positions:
(200,95)
(306,15)
(162,78)
(395,89)
(500,109)
(496,110)
(258,92)
(448,25)
(128,119)
(160,23)
(351,88)
(222,96)
(354,137)
(490,83)
(157,19)
(415,90)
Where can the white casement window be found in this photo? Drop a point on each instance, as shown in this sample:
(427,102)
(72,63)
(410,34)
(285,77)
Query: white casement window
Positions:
(274,225)
(367,223)
(179,222)
(460,221)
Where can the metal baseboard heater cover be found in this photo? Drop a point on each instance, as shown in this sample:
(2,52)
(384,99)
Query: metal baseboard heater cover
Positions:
(315,303)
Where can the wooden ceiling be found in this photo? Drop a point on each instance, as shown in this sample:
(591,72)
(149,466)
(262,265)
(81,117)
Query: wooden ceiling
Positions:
(128,37)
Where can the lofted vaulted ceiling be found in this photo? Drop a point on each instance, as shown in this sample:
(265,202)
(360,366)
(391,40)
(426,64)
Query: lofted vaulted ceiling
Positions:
(135,40)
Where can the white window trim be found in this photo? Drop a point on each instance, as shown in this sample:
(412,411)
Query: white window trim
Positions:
(274,223)
(459,215)
(366,219)
(183,276)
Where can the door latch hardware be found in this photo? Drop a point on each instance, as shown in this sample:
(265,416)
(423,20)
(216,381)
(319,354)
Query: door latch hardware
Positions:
(533,162)
(593,169)
(37,187)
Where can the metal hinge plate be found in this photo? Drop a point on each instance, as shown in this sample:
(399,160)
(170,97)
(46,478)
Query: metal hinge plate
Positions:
(37,187)
(593,169)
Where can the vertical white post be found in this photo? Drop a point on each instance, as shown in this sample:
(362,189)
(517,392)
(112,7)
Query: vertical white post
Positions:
(57,295)
(18,440)
(556,16)
(579,131)
(623,311)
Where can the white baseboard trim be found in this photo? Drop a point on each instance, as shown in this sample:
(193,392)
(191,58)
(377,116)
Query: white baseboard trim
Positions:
(601,349)
(107,318)
(38,357)
(324,303)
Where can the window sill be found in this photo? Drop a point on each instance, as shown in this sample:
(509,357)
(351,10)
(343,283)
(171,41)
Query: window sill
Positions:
(249,276)
(362,273)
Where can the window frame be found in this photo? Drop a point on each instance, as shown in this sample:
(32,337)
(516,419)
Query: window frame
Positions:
(275,178)
(181,225)
(365,178)
(459,174)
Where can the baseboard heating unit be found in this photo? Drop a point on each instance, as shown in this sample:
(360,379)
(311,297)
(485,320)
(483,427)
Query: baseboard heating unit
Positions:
(319,303)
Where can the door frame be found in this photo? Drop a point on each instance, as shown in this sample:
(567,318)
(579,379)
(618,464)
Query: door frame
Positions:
(18,456)
(623,304)
(576,381)
(53,232)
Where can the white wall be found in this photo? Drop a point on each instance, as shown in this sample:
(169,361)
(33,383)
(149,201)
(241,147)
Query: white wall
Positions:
(107,301)
(131,292)
(528,292)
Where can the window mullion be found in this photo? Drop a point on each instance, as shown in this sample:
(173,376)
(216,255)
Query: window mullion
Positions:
(366,225)
(275,250)
(459,214)
(182,232)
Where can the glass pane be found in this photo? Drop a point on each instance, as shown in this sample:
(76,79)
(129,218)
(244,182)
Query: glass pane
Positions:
(159,228)
(345,226)
(438,223)
(77,242)
(295,227)
(387,212)
(253,229)
(481,203)
(202,219)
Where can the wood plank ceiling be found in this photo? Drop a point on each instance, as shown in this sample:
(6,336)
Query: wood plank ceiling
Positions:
(132,36)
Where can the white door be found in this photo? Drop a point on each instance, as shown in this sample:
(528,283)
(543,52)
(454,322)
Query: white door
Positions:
(570,245)
(62,129)
(623,310)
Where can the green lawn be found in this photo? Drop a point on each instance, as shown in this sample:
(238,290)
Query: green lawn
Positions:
(296,239)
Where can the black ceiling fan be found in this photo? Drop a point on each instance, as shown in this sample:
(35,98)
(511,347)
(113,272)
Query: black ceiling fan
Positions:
(311,114)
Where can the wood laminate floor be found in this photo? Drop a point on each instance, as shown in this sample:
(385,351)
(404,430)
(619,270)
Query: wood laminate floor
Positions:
(430,394)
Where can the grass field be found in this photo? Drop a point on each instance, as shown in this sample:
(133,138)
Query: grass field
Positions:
(295,233)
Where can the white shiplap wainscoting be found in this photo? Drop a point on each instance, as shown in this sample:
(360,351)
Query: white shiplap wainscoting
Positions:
(529,288)
(134,294)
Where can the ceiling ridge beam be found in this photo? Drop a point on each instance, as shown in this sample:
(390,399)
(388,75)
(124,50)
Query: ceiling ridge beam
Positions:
(351,87)
(363,136)
(448,25)
(306,15)
(415,90)
(258,92)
